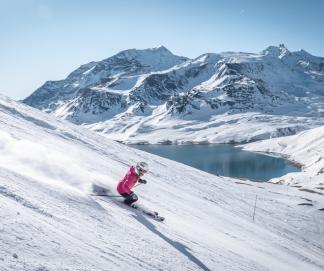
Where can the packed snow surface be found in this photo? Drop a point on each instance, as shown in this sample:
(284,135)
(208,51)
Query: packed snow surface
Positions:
(49,221)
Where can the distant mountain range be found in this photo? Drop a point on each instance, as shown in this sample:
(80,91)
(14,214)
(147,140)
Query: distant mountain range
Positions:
(154,96)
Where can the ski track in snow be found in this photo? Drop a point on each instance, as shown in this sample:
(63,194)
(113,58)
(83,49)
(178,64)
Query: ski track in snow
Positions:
(49,222)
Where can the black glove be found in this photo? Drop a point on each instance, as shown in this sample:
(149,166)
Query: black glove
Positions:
(142,181)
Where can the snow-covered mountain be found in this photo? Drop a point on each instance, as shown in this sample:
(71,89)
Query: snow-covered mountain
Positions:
(49,222)
(144,95)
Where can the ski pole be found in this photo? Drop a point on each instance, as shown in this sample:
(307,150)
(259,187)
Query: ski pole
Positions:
(109,196)
(255,203)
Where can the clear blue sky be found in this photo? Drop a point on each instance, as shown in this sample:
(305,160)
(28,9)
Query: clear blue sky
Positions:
(47,39)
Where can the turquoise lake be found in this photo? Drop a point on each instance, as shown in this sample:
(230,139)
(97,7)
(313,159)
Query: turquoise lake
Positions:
(225,160)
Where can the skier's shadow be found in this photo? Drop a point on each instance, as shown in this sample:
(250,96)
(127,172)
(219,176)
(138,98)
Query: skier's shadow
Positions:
(177,245)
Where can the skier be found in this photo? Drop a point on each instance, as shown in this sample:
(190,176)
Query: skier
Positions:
(133,176)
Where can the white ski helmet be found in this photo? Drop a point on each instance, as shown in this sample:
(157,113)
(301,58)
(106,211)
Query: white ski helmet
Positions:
(142,167)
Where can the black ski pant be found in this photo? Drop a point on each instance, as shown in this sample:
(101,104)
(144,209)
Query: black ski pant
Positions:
(129,198)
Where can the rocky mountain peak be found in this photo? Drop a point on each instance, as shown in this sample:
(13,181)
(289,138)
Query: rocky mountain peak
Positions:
(276,51)
(137,84)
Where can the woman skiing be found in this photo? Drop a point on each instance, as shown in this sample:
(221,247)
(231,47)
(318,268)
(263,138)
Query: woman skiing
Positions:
(133,176)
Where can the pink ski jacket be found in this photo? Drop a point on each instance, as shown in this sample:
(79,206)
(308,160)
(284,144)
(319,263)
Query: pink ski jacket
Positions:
(127,183)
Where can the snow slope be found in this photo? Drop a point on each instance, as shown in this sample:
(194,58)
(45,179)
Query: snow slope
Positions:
(223,128)
(131,95)
(48,222)
(307,149)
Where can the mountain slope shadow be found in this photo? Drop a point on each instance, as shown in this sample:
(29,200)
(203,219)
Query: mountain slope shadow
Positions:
(177,245)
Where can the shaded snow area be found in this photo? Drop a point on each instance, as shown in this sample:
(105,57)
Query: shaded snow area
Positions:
(49,222)
(307,149)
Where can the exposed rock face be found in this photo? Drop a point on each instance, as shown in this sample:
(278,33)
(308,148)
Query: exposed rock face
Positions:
(137,83)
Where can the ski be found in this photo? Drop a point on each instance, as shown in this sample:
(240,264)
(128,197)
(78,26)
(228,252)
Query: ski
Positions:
(155,215)
(152,214)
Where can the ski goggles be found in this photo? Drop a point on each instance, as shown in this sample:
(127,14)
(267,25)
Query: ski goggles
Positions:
(142,171)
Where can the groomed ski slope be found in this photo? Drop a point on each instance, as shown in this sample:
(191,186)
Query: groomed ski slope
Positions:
(48,221)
